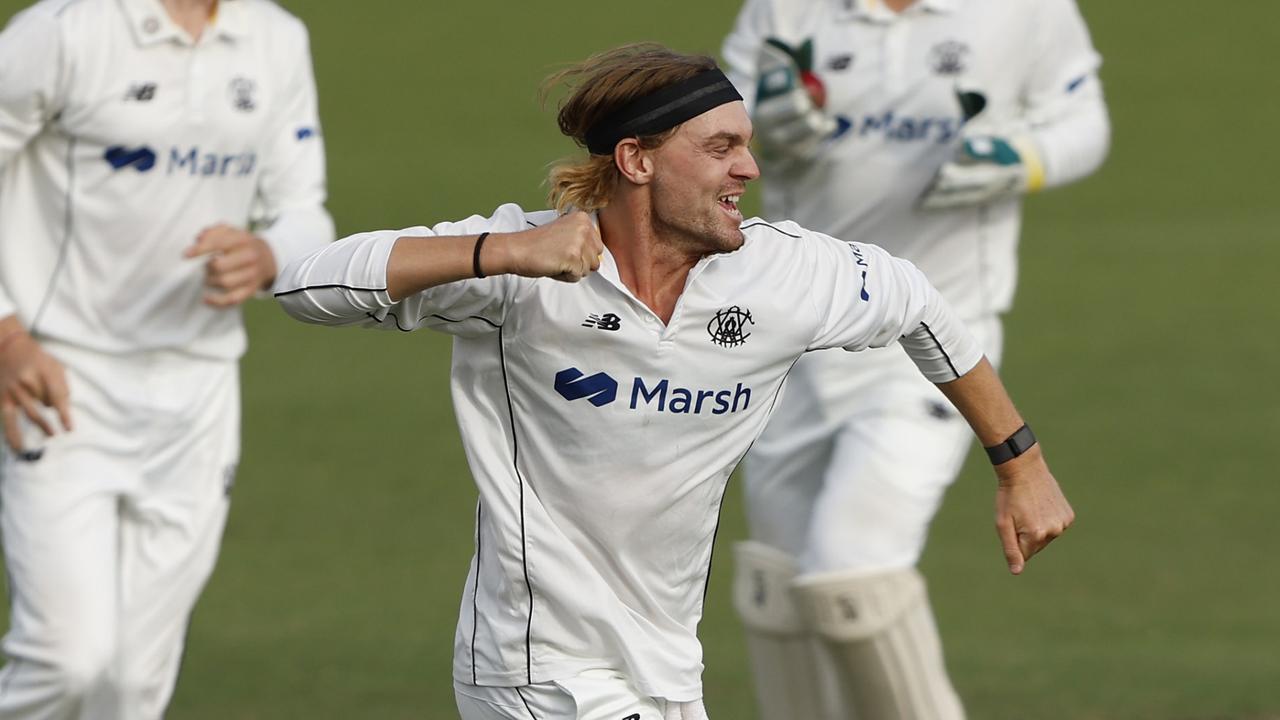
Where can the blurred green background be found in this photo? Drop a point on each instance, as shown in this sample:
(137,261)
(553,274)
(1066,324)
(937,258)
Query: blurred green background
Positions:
(1144,347)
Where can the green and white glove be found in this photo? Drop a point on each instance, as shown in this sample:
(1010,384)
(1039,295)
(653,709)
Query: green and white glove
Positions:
(790,123)
(986,168)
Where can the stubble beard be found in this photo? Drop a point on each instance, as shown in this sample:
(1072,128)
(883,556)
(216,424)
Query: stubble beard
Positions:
(692,228)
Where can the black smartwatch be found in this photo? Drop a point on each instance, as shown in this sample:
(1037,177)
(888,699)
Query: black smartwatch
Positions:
(1019,442)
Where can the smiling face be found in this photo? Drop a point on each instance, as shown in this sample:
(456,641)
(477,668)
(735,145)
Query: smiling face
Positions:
(699,177)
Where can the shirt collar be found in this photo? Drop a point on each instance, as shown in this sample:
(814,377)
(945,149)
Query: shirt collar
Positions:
(876,10)
(231,20)
(152,25)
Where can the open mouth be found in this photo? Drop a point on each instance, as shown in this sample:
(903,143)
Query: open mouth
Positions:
(729,203)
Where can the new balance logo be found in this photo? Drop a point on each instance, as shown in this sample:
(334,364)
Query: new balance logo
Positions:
(141,159)
(599,389)
(608,321)
(141,92)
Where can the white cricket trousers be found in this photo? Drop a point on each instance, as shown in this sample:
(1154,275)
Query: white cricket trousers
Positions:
(855,461)
(111,535)
(590,695)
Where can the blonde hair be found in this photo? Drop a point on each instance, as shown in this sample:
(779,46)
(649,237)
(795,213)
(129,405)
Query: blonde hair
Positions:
(600,85)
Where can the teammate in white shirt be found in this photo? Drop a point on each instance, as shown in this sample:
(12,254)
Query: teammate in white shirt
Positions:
(138,138)
(916,125)
(603,414)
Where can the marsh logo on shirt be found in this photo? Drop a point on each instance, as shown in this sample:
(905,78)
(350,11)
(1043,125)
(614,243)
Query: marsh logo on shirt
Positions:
(599,389)
(191,161)
(660,395)
(141,158)
(906,128)
(195,162)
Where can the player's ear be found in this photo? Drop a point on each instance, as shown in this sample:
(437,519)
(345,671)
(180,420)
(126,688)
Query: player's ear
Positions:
(633,161)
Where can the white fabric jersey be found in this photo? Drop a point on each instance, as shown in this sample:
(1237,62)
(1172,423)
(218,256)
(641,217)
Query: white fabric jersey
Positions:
(601,439)
(891,84)
(120,140)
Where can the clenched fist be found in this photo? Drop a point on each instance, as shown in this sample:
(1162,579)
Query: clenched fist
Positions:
(1030,508)
(240,264)
(567,249)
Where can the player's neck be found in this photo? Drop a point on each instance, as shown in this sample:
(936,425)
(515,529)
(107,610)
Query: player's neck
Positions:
(898,6)
(653,270)
(191,15)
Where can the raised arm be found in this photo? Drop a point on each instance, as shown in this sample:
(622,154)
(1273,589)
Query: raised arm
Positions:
(361,278)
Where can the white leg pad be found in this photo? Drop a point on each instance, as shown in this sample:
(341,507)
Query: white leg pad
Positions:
(792,680)
(880,631)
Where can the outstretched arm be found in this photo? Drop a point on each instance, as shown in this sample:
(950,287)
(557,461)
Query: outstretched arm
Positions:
(567,249)
(1030,508)
(412,276)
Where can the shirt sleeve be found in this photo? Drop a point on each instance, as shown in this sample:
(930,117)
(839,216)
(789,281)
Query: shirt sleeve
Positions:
(345,283)
(291,187)
(33,70)
(864,297)
(1063,98)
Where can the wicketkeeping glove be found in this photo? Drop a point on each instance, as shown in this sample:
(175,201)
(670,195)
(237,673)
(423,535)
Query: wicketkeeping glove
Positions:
(986,168)
(789,120)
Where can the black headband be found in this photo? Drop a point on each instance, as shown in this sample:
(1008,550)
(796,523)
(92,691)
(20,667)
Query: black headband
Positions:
(662,109)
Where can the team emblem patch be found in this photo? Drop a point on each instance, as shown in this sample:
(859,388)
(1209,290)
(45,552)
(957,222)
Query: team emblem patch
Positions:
(950,57)
(728,328)
(242,91)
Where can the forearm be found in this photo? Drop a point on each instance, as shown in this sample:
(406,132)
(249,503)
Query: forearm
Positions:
(981,398)
(420,263)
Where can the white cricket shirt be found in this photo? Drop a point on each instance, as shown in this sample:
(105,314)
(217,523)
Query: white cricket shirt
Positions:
(120,140)
(601,438)
(891,82)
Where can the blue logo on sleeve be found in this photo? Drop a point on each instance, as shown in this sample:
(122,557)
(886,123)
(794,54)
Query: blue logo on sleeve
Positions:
(142,159)
(862,262)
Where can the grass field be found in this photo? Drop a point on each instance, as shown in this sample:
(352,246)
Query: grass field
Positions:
(1143,347)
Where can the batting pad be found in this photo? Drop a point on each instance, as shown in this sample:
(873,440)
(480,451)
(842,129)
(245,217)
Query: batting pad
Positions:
(880,631)
(791,680)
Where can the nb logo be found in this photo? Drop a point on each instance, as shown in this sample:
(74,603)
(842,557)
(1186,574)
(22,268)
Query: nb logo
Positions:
(141,92)
(608,321)
(599,389)
(840,62)
(142,159)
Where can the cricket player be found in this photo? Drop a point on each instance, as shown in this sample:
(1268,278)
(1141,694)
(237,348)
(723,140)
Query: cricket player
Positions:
(917,125)
(613,360)
(138,140)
